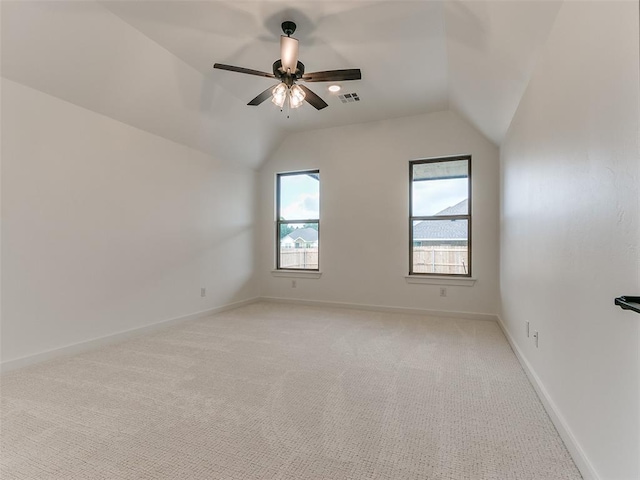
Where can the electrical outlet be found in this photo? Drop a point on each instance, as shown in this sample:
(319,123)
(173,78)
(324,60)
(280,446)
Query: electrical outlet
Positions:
(535,338)
(294,284)
(203,292)
(527,329)
(443,292)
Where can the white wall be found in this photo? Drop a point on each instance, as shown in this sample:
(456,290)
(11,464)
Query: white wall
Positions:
(364,212)
(108,228)
(570,230)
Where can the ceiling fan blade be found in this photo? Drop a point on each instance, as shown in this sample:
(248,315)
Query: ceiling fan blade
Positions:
(262,97)
(289,53)
(333,75)
(313,99)
(248,71)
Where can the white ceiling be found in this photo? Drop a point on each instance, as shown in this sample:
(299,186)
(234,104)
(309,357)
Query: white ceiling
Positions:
(149,63)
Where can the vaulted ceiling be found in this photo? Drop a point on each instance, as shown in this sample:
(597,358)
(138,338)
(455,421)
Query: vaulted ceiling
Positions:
(149,63)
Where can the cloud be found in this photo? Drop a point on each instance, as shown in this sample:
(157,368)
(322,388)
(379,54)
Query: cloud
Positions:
(304,206)
(311,203)
(432,197)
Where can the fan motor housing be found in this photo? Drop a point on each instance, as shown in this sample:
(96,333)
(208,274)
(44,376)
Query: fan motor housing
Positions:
(282,75)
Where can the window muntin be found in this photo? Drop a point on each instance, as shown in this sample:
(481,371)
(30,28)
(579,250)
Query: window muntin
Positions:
(440,216)
(298,220)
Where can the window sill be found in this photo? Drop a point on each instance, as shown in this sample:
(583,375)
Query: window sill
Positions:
(296,273)
(434,280)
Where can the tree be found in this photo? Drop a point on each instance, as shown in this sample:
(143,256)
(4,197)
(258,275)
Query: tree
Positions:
(285,229)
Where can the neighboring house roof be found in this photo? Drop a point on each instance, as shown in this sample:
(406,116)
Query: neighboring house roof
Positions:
(460,208)
(440,230)
(443,229)
(305,234)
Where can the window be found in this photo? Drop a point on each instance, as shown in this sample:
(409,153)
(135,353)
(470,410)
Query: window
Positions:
(440,216)
(298,220)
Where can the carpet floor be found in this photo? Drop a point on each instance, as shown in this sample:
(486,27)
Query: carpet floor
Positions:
(275,391)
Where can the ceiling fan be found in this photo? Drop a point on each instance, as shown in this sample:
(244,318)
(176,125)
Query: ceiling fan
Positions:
(288,70)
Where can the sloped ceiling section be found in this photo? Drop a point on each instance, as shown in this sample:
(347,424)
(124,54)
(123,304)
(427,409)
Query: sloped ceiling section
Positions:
(492,47)
(149,63)
(399,46)
(82,53)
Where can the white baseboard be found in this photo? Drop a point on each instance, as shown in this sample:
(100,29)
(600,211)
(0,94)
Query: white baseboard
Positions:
(577,453)
(382,308)
(79,347)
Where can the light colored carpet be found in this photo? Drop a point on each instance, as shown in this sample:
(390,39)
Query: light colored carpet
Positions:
(273,391)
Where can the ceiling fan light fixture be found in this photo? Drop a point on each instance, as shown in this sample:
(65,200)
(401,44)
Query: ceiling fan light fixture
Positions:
(288,70)
(279,94)
(296,96)
(289,54)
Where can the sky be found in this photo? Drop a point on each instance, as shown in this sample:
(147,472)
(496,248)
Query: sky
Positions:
(431,197)
(300,196)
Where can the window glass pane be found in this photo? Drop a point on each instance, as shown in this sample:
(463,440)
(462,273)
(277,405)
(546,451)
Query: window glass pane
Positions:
(441,246)
(299,245)
(440,188)
(300,197)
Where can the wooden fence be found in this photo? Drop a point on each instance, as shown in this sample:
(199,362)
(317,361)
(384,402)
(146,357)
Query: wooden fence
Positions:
(437,259)
(441,259)
(299,258)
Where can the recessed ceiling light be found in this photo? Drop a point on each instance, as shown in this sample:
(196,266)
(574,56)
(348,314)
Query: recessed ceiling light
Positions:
(334,88)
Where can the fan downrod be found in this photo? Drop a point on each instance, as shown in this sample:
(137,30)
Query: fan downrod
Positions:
(288,28)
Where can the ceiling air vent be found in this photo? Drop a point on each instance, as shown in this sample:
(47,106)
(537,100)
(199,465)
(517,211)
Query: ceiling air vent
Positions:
(349,97)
